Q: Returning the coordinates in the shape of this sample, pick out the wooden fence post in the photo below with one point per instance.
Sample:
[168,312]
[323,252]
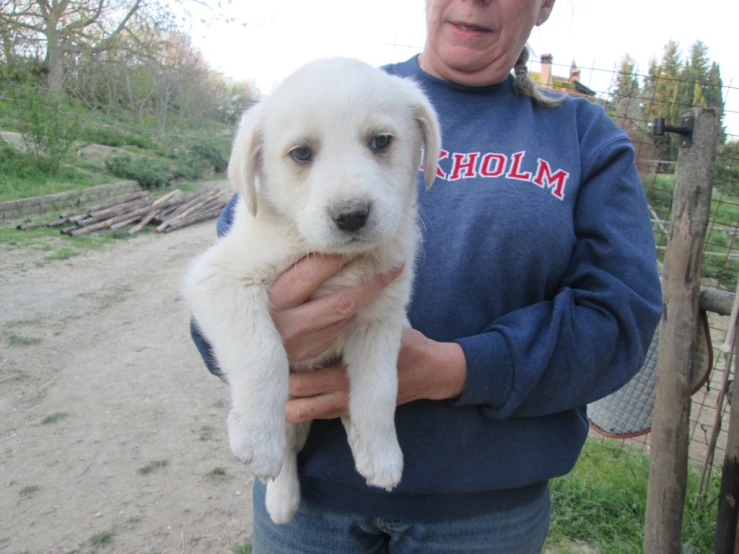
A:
[681,273]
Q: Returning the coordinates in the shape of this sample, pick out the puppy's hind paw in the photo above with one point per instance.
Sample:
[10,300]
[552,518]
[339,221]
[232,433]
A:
[281,502]
[253,443]
[382,468]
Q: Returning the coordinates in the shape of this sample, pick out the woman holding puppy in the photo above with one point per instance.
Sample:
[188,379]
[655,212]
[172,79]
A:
[536,293]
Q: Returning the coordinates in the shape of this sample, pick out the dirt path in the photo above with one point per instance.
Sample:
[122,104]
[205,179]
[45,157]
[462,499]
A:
[110,425]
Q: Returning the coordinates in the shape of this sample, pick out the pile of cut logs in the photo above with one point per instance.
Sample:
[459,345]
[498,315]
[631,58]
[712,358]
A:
[168,213]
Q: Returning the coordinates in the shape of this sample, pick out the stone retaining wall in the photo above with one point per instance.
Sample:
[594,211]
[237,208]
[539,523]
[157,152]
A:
[65,201]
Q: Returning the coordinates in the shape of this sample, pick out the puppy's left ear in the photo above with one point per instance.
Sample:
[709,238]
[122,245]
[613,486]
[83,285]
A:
[246,155]
[427,119]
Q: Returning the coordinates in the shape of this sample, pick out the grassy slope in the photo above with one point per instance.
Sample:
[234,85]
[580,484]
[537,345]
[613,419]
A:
[170,148]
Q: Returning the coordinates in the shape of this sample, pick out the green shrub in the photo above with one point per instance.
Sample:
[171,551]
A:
[101,135]
[149,173]
[49,125]
[191,167]
[17,164]
[116,138]
[212,155]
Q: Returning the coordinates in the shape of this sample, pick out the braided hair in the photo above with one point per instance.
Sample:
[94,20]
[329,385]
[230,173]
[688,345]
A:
[525,86]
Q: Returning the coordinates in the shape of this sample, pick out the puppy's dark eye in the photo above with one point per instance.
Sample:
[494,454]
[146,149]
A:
[380,142]
[301,154]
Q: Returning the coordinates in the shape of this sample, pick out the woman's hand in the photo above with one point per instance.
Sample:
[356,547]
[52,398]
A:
[309,328]
[426,370]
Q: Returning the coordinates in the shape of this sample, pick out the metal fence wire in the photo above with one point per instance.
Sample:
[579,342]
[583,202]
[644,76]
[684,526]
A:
[635,110]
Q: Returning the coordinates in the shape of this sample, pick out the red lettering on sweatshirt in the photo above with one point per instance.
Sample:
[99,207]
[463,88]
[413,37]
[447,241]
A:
[463,166]
[487,160]
[554,180]
[515,171]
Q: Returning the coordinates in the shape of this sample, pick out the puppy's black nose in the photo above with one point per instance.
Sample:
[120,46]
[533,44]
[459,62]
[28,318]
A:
[350,216]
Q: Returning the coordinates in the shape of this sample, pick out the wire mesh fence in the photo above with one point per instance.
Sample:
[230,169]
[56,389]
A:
[635,111]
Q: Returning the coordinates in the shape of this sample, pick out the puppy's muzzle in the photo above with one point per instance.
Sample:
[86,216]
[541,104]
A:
[350,216]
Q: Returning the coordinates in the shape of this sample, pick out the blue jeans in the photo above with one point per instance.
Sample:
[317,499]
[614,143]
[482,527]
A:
[314,530]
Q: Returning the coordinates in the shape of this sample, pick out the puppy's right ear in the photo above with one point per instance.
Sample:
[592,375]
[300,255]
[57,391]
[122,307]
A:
[428,121]
[246,154]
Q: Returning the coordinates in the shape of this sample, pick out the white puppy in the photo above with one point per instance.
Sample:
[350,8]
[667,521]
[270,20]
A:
[327,163]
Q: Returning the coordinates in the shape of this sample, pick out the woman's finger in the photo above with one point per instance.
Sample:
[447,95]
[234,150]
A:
[304,347]
[328,310]
[295,285]
[323,406]
[320,381]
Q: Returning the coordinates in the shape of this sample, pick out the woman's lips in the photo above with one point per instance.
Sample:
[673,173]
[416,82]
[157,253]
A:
[468,30]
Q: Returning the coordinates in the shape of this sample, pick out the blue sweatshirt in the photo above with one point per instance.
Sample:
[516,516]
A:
[538,259]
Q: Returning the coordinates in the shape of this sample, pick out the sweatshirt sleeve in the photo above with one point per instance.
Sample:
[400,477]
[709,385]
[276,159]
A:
[592,336]
[223,224]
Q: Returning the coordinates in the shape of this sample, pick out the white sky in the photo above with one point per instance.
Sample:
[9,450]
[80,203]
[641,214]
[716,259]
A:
[281,35]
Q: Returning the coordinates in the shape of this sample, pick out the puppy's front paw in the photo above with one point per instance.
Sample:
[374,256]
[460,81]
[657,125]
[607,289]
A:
[380,463]
[260,446]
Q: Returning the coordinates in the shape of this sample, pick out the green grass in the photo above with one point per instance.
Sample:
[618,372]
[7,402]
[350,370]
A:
[244,548]
[101,539]
[724,212]
[216,473]
[28,491]
[62,254]
[15,339]
[22,323]
[602,502]
[20,178]
[11,238]
[152,466]
[206,433]
[53,418]
[114,297]
[47,240]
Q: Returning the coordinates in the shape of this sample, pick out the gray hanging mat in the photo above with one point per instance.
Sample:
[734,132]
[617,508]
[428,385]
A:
[627,412]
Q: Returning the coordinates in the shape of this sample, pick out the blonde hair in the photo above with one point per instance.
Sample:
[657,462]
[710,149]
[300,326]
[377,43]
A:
[525,86]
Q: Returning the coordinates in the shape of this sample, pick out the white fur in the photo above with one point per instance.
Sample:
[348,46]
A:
[334,106]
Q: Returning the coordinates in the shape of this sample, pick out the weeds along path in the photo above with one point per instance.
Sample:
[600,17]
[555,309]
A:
[112,434]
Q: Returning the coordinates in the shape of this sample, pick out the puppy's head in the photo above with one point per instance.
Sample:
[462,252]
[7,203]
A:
[336,149]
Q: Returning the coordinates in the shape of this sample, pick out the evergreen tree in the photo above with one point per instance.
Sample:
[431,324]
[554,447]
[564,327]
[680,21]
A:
[625,97]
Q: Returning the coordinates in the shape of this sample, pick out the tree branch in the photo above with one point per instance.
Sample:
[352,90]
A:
[79,24]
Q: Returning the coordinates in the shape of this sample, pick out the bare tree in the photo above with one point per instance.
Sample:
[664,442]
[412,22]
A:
[67,26]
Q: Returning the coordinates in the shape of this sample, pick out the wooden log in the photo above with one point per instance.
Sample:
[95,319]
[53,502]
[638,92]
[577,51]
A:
[37,224]
[111,221]
[681,288]
[194,201]
[118,209]
[140,225]
[164,213]
[213,203]
[194,206]
[195,218]
[108,204]
[176,193]
[125,222]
